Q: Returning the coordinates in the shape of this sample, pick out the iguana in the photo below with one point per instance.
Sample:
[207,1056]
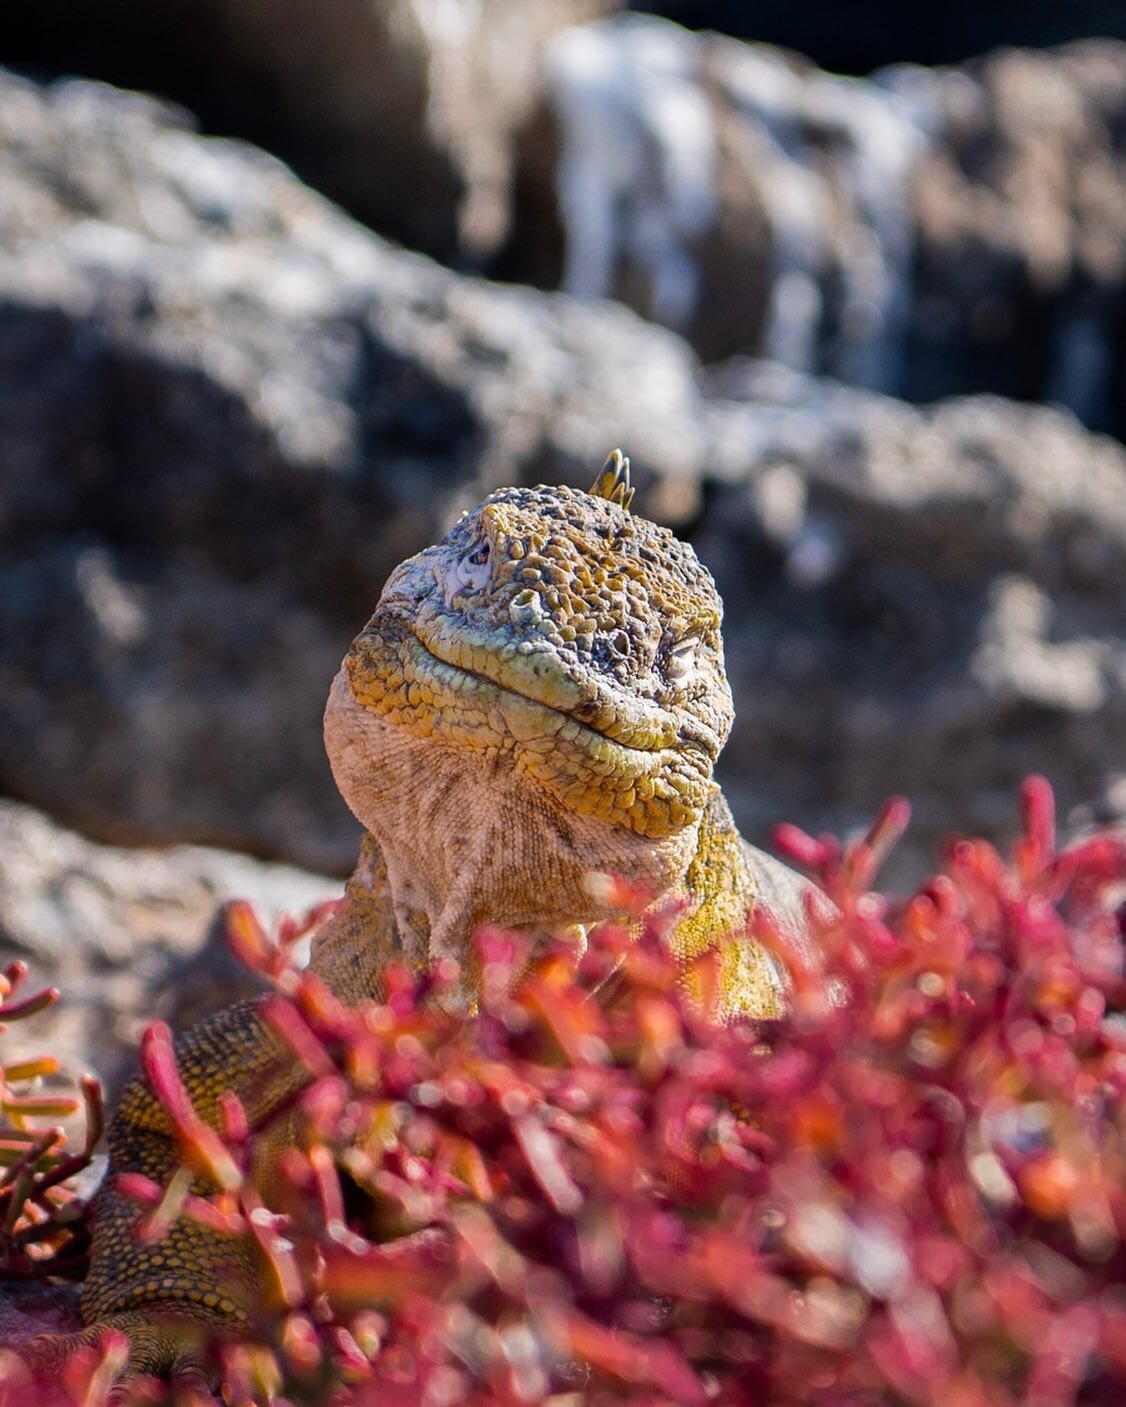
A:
[538,700]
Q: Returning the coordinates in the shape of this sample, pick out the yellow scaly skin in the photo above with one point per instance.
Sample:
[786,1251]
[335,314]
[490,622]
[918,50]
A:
[538,699]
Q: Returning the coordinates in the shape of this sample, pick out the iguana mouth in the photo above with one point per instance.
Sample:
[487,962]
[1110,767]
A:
[461,690]
[532,670]
[536,674]
[482,677]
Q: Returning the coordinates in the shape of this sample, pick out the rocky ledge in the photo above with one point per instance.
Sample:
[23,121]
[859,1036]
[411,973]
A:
[226,411]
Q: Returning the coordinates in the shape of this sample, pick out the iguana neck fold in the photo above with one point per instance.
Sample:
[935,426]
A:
[539,699]
[463,841]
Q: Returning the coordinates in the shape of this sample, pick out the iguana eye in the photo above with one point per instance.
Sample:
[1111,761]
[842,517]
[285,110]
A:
[472,570]
[681,658]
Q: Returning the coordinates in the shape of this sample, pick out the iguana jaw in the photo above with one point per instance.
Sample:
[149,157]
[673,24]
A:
[533,669]
[468,840]
[471,697]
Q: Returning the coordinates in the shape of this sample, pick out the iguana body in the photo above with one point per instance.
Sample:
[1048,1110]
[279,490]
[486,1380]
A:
[538,700]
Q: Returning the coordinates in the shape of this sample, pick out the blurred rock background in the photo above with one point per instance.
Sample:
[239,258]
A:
[863,338]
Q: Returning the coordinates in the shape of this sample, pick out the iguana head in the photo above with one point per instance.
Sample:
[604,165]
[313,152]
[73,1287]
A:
[563,639]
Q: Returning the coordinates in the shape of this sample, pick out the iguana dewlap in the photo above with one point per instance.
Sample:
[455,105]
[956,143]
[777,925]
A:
[539,699]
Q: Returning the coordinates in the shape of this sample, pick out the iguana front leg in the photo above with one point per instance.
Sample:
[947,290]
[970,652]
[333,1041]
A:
[162,1296]
[166,1296]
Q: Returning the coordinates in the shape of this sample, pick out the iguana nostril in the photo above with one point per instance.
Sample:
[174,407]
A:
[620,643]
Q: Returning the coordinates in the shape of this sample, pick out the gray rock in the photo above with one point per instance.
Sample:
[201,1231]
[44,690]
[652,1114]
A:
[403,110]
[226,411]
[936,604]
[922,233]
[126,935]
[867,33]
[1019,207]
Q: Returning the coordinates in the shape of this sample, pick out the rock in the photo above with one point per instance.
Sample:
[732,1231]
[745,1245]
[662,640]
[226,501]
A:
[126,935]
[402,110]
[922,233]
[226,412]
[936,605]
[865,34]
[1019,209]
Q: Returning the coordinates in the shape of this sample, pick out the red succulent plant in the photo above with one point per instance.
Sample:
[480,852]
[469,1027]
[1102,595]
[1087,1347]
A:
[910,1190]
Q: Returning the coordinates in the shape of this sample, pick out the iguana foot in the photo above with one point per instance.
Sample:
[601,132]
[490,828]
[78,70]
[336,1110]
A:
[171,1347]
